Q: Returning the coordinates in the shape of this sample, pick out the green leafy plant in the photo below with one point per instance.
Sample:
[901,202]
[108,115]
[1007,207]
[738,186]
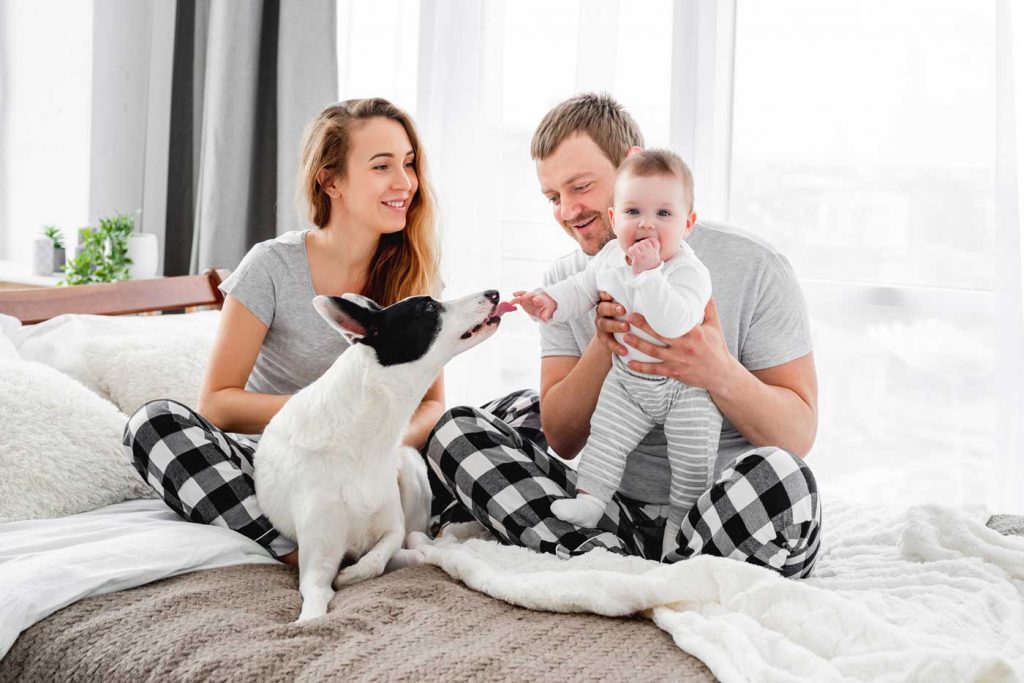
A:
[104,255]
[55,235]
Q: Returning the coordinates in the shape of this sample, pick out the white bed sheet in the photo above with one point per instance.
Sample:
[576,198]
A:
[48,564]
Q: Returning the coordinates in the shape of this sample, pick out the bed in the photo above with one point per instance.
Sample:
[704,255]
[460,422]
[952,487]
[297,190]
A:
[118,588]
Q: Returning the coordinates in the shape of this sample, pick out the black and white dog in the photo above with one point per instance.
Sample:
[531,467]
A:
[330,472]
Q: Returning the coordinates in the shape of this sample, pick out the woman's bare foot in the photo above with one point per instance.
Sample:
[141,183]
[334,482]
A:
[291,559]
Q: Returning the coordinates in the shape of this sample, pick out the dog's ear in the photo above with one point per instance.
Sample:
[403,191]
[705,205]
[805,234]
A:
[362,301]
[354,319]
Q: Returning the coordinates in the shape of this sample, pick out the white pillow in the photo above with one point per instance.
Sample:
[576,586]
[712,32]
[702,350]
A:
[7,349]
[8,325]
[60,446]
[59,342]
[72,343]
[132,370]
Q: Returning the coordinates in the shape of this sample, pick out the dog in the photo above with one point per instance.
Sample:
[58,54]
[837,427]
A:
[329,470]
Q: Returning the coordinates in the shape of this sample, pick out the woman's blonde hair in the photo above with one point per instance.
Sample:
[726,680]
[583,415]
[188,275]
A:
[406,262]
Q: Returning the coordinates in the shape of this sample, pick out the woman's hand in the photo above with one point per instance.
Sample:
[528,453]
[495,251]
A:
[537,304]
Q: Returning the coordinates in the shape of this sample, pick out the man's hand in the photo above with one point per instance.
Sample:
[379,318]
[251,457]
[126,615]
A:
[700,358]
[644,255]
[537,304]
[607,325]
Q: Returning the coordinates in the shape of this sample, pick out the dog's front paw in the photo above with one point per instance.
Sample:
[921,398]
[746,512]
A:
[369,567]
[405,558]
[417,539]
[309,612]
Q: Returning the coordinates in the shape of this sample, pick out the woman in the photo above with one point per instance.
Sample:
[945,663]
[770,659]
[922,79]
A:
[363,180]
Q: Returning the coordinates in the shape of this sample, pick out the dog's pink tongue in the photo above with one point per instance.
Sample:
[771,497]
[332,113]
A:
[504,307]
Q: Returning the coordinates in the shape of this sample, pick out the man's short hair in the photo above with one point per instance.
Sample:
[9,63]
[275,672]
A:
[649,163]
[596,114]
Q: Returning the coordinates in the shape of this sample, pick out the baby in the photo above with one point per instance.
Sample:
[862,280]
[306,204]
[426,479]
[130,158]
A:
[649,269]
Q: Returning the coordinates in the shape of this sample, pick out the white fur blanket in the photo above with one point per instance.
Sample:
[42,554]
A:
[925,594]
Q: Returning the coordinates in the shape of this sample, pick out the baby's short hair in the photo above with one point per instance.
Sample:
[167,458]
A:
[649,163]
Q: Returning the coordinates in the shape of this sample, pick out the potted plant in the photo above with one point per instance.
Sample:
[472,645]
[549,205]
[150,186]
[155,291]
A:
[47,251]
[144,252]
[57,239]
[102,254]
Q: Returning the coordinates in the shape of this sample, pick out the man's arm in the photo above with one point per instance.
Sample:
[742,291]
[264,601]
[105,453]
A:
[771,407]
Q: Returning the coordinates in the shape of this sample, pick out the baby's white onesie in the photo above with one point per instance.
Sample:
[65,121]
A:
[672,298]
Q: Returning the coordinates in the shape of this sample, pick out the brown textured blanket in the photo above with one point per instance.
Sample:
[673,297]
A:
[235,623]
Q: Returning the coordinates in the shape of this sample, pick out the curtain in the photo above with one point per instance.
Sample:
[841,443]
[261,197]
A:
[1010,283]
[458,114]
[246,79]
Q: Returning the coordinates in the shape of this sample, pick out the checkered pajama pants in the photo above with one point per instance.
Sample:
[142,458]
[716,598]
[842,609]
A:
[493,465]
[201,472]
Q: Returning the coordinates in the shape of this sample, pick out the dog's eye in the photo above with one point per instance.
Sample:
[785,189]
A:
[430,308]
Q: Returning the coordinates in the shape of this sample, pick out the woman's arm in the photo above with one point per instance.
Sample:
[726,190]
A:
[426,416]
[223,399]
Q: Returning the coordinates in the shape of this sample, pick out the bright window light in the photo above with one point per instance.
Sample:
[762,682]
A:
[864,149]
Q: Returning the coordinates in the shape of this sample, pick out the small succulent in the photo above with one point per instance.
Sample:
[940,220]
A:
[55,235]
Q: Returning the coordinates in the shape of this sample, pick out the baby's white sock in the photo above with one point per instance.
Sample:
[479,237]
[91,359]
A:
[584,510]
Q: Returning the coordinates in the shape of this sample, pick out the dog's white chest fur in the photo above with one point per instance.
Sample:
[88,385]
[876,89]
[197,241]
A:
[330,472]
[328,459]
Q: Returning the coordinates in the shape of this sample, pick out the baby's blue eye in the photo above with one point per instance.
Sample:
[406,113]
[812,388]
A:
[632,212]
[664,213]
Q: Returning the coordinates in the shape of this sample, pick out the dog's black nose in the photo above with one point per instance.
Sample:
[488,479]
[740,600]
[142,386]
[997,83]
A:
[492,294]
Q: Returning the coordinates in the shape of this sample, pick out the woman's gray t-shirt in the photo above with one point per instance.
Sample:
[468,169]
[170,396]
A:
[273,281]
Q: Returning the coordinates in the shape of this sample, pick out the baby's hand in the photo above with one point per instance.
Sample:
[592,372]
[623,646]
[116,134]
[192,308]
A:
[536,304]
[645,255]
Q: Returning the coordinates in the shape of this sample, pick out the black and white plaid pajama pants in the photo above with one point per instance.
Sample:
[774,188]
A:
[201,472]
[494,465]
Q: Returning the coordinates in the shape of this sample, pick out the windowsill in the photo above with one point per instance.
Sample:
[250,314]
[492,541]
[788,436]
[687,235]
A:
[14,273]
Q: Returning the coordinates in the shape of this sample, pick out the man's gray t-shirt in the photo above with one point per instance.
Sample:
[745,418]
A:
[764,320]
[273,281]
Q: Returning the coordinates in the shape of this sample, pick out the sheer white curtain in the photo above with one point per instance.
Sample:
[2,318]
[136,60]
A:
[488,72]
[1010,301]
[458,111]
[884,166]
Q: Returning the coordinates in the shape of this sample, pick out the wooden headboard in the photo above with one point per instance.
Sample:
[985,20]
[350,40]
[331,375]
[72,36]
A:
[116,298]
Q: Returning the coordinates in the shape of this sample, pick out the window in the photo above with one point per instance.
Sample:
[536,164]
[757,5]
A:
[864,149]
[378,47]
[45,119]
[574,46]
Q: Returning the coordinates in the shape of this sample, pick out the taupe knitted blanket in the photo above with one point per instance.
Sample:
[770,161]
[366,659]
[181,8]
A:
[235,623]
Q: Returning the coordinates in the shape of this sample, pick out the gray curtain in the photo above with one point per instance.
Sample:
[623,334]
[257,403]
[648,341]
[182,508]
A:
[247,78]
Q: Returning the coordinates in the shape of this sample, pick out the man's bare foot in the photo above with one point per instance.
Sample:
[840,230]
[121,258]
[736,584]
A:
[291,559]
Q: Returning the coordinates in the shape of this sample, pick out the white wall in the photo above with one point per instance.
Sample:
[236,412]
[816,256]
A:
[45,77]
[120,74]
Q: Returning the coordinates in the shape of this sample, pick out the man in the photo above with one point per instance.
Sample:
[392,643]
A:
[752,354]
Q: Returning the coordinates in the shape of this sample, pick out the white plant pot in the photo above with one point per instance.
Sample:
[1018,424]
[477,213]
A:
[42,255]
[144,252]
